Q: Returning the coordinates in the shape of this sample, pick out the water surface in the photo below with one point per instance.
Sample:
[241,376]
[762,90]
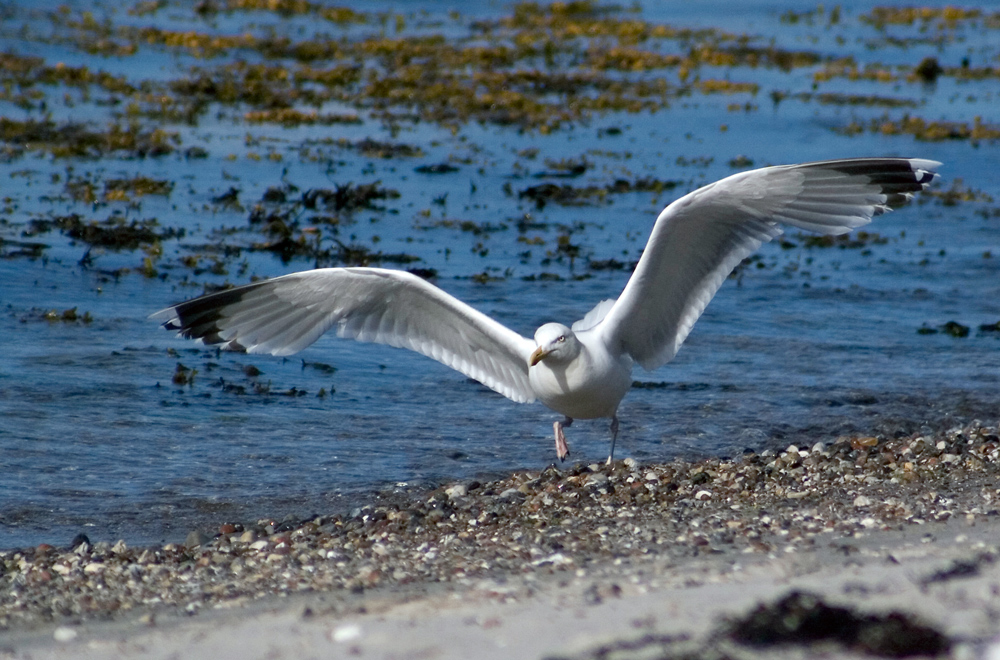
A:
[805,344]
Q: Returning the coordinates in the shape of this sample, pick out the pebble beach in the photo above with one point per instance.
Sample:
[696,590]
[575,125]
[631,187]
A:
[603,534]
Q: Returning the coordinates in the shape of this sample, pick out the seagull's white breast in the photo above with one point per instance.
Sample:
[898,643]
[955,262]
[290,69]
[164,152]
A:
[589,386]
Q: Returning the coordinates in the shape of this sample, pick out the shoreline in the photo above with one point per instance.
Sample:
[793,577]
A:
[866,522]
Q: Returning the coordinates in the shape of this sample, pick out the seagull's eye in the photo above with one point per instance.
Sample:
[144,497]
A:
[561,339]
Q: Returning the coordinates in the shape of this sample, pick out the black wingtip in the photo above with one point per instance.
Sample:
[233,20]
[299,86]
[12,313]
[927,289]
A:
[898,178]
[199,317]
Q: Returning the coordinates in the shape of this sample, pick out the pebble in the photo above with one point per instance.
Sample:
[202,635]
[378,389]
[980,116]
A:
[196,538]
[456,491]
[510,494]
[64,634]
[345,633]
[597,479]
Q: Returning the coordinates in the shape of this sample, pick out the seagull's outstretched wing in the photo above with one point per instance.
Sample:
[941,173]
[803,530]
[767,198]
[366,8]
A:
[284,315]
[700,238]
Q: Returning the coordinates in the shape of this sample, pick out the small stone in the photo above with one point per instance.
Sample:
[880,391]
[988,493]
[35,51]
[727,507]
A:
[557,559]
[196,538]
[258,545]
[80,544]
[345,633]
[93,567]
[597,479]
[510,494]
[227,528]
[64,634]
[861,500]
[456,491]
[861,443]
[703,495]
[248,536]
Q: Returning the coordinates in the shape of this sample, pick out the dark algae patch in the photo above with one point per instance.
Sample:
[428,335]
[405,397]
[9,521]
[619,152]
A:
[568,195]
[115,233]
[805,619]
[73,140]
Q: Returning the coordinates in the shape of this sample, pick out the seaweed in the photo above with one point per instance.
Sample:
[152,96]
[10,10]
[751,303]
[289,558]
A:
[803,618]
[114,233]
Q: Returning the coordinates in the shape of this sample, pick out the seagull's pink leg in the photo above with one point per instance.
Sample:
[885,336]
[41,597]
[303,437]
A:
[562,449]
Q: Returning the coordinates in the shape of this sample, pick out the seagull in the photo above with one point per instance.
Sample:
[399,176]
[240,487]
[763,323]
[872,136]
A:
[581,371]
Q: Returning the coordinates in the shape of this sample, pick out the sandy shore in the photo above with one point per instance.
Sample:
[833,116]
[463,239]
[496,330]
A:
[630,607]
[683,560]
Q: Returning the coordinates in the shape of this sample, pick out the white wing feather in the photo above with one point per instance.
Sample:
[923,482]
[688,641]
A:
[700,238]
[286,314]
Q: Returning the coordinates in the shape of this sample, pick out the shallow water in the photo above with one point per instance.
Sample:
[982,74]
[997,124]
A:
[805,344]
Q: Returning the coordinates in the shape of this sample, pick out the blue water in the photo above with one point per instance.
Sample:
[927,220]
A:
[814,343]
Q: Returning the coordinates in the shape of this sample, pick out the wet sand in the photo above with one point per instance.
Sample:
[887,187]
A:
[895,535]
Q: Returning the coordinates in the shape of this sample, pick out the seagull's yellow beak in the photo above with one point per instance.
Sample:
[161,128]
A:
[537,356]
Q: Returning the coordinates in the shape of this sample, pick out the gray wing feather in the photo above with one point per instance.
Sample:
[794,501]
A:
[285,315]
[698,240]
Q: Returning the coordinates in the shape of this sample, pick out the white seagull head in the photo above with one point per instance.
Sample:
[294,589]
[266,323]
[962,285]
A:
[555,343]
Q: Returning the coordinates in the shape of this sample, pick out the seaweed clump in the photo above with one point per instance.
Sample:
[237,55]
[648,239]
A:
[114,233]
[803,618]
[75,140]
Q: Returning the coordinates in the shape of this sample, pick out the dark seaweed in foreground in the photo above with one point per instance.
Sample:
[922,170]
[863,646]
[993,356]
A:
[804,618]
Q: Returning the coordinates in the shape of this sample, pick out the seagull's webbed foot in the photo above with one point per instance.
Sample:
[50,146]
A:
[614,436]
[562,449]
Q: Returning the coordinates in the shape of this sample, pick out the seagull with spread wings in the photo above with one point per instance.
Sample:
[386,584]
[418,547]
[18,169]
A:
[585,370]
